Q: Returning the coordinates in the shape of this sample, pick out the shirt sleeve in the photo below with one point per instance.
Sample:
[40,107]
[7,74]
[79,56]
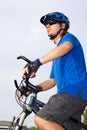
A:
[71,38]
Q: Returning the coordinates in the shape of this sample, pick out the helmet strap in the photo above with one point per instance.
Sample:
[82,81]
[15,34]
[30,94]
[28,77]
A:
[53,37]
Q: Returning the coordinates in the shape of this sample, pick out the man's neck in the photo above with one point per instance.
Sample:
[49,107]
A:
[57,39]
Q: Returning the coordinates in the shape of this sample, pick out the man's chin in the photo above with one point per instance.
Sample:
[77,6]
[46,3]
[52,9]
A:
[50,35]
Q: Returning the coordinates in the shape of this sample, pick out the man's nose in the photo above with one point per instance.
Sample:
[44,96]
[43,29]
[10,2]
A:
[47,25]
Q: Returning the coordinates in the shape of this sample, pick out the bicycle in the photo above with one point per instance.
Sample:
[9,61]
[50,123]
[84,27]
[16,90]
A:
[29,104]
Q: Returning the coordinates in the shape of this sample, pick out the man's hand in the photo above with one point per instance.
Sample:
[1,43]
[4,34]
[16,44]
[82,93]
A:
[20,95]
[31,69]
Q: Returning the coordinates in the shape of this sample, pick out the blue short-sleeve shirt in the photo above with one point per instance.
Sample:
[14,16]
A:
[69,71]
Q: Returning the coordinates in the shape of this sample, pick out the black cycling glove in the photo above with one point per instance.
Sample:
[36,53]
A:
[33,66]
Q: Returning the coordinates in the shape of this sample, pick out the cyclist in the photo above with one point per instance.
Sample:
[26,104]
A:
[68,73]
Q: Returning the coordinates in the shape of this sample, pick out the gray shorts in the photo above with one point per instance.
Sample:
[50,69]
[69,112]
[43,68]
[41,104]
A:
[61,107]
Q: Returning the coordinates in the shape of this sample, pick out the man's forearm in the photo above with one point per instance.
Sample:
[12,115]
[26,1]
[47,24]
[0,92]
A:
[56,52]
[48,84]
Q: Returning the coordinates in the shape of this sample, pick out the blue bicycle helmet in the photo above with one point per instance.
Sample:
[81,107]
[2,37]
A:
[55,15]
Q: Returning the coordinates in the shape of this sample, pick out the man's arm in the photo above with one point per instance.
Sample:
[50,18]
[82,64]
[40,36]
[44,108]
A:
[53,54]
[48,84]
[57,52]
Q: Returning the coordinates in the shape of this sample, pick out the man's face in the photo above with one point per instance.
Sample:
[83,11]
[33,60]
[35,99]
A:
[52,27]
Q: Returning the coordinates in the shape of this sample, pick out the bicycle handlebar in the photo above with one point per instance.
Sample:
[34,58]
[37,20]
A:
[24,58]
[29,66]
[25,85]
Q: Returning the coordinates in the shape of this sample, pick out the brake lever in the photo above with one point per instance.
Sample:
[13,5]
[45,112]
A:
[16,85]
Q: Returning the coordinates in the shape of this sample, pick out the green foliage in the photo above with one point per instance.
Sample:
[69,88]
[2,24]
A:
[84,117]
[33,128]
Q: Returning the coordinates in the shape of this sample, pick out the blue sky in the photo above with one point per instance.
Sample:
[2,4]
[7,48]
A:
[22,34]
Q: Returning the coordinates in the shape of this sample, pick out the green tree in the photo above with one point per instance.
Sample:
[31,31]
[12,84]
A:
[84,117]
[33,128]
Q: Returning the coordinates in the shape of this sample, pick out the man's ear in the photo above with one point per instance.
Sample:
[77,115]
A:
[63,25]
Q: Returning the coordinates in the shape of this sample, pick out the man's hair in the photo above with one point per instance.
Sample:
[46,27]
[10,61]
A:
[65,30]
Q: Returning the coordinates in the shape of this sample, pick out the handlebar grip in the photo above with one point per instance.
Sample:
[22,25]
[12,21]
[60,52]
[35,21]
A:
[34,88]
[24,58]
[16,85]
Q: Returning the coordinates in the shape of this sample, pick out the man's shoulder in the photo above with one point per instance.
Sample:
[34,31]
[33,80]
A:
[69,35]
